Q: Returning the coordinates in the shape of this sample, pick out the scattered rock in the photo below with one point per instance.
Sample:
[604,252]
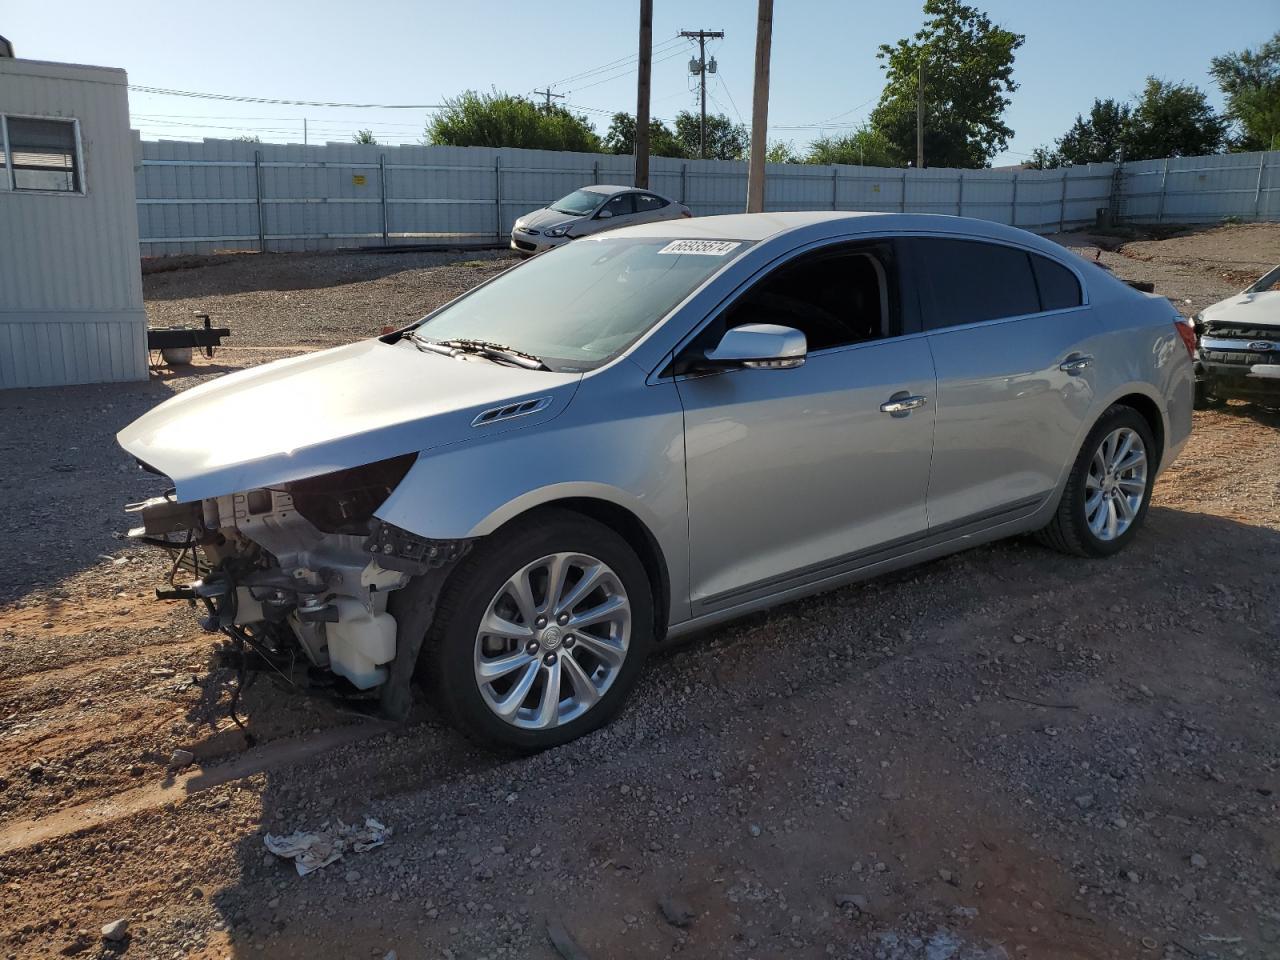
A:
[181,758]
[116,930]
[1198,861]
[754,829]
[676,911]
[855,901]
[1084,801]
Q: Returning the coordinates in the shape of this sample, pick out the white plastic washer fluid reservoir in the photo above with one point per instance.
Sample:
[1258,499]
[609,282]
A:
[360,642]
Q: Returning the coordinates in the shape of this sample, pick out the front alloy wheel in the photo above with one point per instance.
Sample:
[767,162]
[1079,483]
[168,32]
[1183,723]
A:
[552,641]
[541,631]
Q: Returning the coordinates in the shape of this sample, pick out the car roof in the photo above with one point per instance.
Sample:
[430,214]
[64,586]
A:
[607,188]
[762,226]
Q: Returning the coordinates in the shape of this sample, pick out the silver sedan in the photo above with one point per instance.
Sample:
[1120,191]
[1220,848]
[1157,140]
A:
[653,431]
[591,210]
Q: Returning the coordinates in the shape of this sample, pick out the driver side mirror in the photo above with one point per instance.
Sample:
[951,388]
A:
[604,214]
[759,346]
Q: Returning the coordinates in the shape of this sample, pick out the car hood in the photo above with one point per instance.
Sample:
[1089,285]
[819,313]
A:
[328,411]
[546,218]
[1252,309]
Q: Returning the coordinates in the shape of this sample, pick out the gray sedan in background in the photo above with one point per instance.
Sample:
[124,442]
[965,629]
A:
[653,431]
[591,210]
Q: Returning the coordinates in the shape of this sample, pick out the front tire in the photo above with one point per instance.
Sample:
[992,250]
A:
[1107,494]
[541,632]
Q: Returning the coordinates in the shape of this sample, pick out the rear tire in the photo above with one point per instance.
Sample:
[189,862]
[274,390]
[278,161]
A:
[564,676]
[1109,489]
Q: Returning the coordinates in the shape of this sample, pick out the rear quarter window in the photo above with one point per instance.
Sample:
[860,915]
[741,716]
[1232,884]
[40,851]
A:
[1059,288]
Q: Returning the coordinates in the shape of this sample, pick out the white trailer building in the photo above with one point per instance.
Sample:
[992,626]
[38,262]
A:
[70,277]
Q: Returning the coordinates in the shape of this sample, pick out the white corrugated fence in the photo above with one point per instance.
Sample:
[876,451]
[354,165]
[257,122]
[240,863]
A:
[232,195]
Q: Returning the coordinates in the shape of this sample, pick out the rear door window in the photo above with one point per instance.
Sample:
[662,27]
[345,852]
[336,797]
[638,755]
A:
[647,202]
[623,205]
[1059,288]
[970,281]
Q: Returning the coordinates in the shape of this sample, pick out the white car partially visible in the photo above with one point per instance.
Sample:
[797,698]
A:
[1238,346]
[591,210]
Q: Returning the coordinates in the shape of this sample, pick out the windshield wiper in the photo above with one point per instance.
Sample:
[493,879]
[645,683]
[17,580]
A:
[484,348]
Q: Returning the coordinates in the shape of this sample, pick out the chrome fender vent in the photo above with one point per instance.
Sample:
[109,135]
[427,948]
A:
[512,410]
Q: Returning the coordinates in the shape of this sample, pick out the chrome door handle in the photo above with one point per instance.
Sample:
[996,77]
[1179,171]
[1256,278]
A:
[1075,365]
[903,405]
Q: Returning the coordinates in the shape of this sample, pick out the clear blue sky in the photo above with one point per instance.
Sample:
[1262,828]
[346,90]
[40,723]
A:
[825,74]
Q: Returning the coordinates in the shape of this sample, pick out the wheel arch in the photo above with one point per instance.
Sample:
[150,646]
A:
[1151,412]
[632,528]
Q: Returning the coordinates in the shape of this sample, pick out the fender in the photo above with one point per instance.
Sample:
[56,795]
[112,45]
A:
[628,452]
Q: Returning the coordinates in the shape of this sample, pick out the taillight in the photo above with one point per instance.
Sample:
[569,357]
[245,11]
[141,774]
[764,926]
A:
[1188,334]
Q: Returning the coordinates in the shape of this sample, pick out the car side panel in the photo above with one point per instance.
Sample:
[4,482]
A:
[1143,354]
[1007,415]
[620,441]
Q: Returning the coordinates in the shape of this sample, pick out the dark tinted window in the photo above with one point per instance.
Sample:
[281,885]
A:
[833,298]
[1059,288]
[622,205]
[973,281]
[646,202]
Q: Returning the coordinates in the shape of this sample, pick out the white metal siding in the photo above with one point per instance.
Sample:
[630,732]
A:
[70,283]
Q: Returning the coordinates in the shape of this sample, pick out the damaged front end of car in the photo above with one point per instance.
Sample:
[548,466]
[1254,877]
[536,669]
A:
[305,567]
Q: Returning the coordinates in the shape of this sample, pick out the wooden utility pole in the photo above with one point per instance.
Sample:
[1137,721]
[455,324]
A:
[642,95]
[549,95]
[760,109]
[920,115]
[702,36]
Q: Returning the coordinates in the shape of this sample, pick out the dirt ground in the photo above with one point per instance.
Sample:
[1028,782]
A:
[1005,753]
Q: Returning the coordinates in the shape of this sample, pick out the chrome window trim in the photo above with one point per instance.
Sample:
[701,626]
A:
[784,258]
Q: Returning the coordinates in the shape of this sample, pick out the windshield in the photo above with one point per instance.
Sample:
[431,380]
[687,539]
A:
[1269,281]
[579,203]
[583,304]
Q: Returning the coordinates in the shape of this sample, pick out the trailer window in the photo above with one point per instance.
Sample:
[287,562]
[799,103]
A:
[40,154]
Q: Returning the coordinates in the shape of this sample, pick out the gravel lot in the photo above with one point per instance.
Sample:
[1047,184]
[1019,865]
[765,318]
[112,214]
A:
[1006,753]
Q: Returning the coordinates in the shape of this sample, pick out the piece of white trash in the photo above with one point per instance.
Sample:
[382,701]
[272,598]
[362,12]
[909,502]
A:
[311,851]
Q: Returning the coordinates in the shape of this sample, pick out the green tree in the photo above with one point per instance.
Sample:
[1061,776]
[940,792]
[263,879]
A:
[865,146]
[621,137]
[1173,120]
[1043,158]
[1099,137]
[502,120]
[782,151]
[1250,81]
[968,72]
[365,137]
[726,140]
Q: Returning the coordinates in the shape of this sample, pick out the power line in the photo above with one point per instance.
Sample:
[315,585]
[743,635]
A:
[164,91]
[209,116]
[612,64]
[627,72]
[728,93]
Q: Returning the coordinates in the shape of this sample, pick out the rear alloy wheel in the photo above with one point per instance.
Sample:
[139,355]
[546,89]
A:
[1109,489]
[541,632]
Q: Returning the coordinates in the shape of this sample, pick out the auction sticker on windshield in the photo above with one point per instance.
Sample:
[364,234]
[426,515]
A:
[706,248]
